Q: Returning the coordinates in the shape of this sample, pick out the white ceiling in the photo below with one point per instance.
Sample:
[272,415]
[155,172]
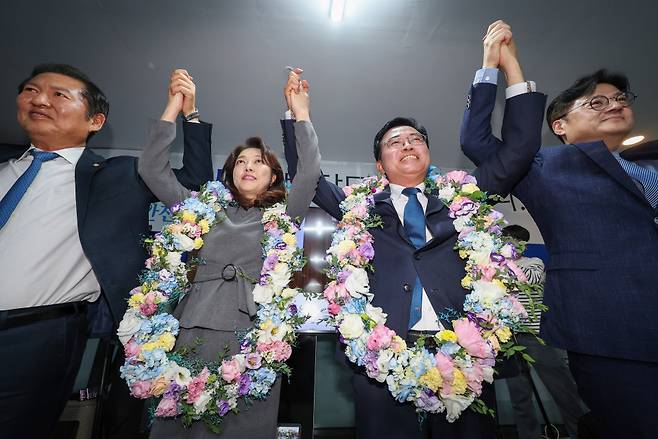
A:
[387,58]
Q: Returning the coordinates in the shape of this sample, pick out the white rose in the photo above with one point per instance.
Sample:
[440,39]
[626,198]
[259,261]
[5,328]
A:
[201,404]
[446,193]
[357,283]
[383,361]
[180,375]
[263,293]
[460,223]
[287,293]
[129,326]
[185,242]
[241,361]
[488,292]
[351,326]
[173,259]
[506,251]
[480,258]
[455,405]
[376,314]
[280,276]
[488,374]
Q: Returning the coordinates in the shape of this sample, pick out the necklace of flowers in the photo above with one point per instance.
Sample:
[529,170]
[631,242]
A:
[449,378]
[188,387]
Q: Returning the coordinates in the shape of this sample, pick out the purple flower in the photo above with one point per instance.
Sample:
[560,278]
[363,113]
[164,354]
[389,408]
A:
[342,276]
[223,407]
[292,308]
[428,402]
[243,384]
[496,257]
[270,262]
[367,251]
[173,391]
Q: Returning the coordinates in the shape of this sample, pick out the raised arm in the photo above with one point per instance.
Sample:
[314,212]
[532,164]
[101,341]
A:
[502,163]
[154,167]
[295,136]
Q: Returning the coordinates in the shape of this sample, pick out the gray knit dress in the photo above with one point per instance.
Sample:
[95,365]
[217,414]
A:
[215,308]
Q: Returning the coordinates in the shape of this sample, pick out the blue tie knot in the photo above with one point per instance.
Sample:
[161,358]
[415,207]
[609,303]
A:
[410,191]
[43,156]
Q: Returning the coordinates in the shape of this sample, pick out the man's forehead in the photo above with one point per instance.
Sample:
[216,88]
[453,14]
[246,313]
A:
[57,80]
[398,131]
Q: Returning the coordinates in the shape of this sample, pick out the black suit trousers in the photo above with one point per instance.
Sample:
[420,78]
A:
[40,362]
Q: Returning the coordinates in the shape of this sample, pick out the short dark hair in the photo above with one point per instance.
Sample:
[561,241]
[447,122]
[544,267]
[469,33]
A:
[275,193]
[517,232]
[393,123]
[96,100]
[583,86]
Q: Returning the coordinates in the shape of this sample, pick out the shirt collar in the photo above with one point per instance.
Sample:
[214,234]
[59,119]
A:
[71,155]
[396,189]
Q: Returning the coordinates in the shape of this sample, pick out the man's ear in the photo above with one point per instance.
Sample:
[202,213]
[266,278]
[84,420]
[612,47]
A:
[96,122]
[558,127]
[380,167]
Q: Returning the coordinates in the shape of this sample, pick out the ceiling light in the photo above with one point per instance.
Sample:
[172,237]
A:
[337,10]
[632,140]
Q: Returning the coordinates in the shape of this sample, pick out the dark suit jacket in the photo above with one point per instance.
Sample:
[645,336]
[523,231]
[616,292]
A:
[397,261]
[112,207]
[601,235]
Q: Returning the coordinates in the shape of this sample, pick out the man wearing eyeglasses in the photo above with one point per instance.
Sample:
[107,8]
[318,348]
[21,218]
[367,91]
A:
[596,209]
[417,273]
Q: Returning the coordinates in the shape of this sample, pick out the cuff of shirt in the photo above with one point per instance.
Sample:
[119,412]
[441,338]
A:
[520,88]
[288,115]
[487,76]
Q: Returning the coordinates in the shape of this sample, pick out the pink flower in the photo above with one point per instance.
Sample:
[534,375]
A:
[230,370]
[456,176]
[253,360]
[168,407]
[280,350]
[462,206]
[333,308]
[488,272]
[520,275]
[380,338]
[335,291]
[446,368]
[197,385]
[517,307]
[149,307]
[470,338]
[347,190]
[141,389]
[474,376]
[132,348]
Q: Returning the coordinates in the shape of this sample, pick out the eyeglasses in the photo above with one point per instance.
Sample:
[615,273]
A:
[399,142]
[600,102]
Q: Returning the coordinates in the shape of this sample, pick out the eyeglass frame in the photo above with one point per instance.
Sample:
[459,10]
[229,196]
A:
[423,138]
[628,94]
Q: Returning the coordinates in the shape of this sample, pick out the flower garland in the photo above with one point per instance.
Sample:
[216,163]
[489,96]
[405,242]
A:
[189,387]
[449,379]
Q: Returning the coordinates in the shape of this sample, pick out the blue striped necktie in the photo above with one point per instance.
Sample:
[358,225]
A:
[13,197]
[647,177]
[414,225]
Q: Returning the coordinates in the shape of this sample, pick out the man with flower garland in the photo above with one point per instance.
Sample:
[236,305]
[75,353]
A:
[71,225]
[596,207]
[416,279]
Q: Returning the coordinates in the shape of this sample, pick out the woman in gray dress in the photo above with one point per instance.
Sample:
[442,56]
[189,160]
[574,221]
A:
[219,302]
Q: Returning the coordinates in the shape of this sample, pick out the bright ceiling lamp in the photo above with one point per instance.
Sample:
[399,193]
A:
[337,10]
[632,140]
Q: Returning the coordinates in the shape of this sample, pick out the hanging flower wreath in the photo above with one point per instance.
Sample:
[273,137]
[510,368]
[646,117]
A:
[450,378]
[187,386]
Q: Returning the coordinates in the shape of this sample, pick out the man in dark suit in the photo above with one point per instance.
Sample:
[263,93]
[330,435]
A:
[401,150]
[596,209]
[71,225]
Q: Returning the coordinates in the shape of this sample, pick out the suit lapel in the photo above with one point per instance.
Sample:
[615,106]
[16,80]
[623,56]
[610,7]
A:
[87,166]
[434,206]
[598,153]
[384,207]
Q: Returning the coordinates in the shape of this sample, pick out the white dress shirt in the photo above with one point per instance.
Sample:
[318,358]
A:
[428,320]
[41,257]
